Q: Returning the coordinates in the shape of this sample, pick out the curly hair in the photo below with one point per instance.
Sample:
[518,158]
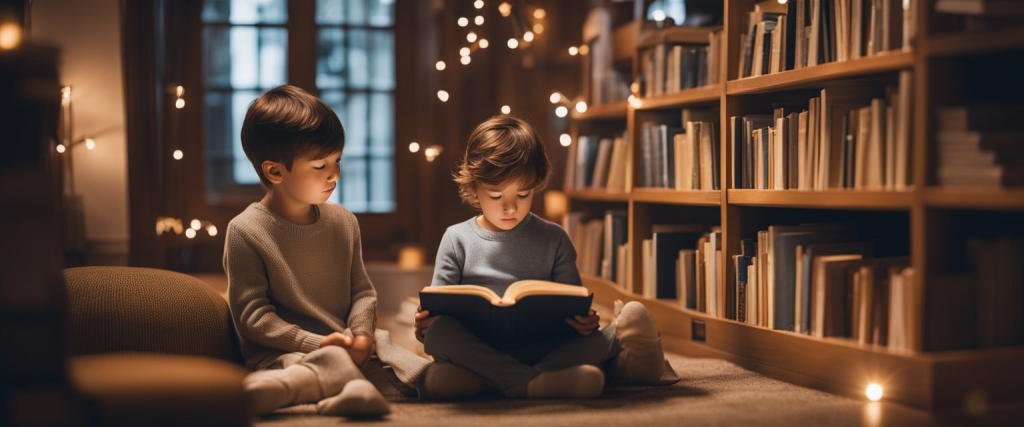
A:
[500,150]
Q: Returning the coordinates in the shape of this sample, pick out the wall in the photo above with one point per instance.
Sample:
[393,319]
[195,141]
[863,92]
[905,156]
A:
[88,34]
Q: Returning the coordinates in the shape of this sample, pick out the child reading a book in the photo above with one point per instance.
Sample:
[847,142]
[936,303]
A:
[503,168]
[302,304]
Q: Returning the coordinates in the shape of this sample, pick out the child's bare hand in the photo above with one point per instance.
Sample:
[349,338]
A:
[338,339]
[361,349]
[585,325]
[423,320]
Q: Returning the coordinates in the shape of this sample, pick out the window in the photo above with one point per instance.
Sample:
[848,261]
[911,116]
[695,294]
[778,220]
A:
[246,52]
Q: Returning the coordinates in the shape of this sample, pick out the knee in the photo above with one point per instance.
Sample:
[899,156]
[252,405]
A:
[439,335]
[331,355]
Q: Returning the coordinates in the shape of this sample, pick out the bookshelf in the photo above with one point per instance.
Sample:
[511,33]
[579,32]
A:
[932,225]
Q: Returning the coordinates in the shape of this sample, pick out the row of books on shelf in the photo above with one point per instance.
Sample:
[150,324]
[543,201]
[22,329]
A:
[598,163]
[980,145]
[670,67]
[682,158]
[803,33]
[601,244]
[854,137]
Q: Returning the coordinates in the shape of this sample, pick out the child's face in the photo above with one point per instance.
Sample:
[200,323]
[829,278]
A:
[504,206]
[311,180]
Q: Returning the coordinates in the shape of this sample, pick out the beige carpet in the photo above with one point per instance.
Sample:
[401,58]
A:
[712,393]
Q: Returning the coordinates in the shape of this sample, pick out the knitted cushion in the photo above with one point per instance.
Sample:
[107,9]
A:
[128,309]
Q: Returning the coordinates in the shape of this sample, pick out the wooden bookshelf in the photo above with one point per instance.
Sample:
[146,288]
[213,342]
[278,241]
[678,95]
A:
[925,222]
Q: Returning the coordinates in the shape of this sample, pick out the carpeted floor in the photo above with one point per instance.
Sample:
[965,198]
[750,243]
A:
[712,393]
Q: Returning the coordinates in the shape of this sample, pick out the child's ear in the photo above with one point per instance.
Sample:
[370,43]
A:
[272,170]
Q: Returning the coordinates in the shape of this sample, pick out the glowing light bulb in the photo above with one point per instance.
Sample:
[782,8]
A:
[195,224]
[658,15]
[561,111]
[178,155]
[484,43]
[581,107]
[471,37]
[573,50]
[479,4]
[190,233]
[479,20]
[179,91]
[10,35]
[440,65]
[465,60]
[538,28]
[179,103]
[414,147]
[211,230]
[61,148]
[505,9]
[505,109]
[634,102]
[584,49]
[463,21]
[90,143]
[513,43]
[539,13]
[565,140]
[874,392]
[555,97]
[528,36]
[464,51]
[442,95]
[782,1]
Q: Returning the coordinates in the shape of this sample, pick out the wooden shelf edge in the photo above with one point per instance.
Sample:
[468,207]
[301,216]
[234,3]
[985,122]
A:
[613,111]
[703,94]
[828,199]
[973,43]
[597,195]
[888,61]
[677,197]
[975,198]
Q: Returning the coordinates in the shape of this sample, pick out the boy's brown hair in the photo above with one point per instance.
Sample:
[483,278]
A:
[499,150]
[287,122]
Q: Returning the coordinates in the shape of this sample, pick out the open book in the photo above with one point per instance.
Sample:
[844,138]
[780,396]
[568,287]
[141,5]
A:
[530,310]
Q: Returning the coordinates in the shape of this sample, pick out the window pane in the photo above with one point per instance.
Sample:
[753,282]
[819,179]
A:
[330,62]
[273,57]
[382,44]
[354,117]
[216,61]
[218,123]
[243,170]
[358,61]
[382,185]
[330,11]
[245,11]
[245,57]
[353,185]
[355,12]
[382,13]
[382,122]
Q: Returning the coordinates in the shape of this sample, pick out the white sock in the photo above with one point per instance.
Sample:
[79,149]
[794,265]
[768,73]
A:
[642,358]
[577,382]
[273,389]
[359,398]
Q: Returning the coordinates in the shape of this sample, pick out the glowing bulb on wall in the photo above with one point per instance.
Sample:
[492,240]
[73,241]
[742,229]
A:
[10,35]
[479,4]
[440,65]
[505,9]
[513,43]
[581,107]
[483,43]
[479,20]
[195,224]
[463,22]
[561,111]
[211,230]
[471,37]
[539,13]
[658,15]
[573,50]
[634,101]
[465,60]
[442,95]
[61,148]
[505,109]
[414,147]
[874,392]
[90,143]
[565,140]
[177,154]
[538,28]
[432,152]
[190,233]
[179,103]
[464,51]
[528,36]
[555,97]
[782,1]
[180,93]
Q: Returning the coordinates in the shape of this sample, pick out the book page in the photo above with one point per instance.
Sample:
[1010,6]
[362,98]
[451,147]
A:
[475,290]
[525,288]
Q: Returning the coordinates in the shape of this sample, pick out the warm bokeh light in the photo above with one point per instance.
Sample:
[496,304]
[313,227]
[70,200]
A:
[90,143]
[513,43]
[561,111]
[539,13]
[479,20]
[658,15]
[463,21]
[555,206]
[61,148]
[565,140]
[634,101]
[190,233]
[65,95]
[573,50]
[432,152]
[581,107]
[414,147]
[465,60]
[505,9]
[874,392]
[211,230]
[10,35]
[440,65]
[505,109]
[782,1]
[471,37]
[584,49]
[464,51]
[483,43]
[555,97]
[442,95]
[196,224]
[179,91]
[178,154]
[410,258]
[528,36]
[179,103]
[479,4]
[538,28]
[634,87]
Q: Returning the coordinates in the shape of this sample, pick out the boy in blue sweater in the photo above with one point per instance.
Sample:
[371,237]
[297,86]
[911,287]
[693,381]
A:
[505,165]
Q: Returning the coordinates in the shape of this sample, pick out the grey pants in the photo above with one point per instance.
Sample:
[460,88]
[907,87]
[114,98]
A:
[509,370]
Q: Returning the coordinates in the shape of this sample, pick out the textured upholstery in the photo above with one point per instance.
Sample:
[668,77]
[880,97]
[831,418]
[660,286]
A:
[129,309]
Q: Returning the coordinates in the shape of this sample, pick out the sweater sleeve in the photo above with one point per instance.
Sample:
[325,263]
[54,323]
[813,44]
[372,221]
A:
[255,318]
[362,315]
[564,269]
[447,265]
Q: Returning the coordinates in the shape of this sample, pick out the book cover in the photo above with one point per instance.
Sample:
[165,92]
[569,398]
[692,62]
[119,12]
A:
[529,311]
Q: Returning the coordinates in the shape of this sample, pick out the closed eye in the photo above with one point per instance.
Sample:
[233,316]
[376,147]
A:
[523,196]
